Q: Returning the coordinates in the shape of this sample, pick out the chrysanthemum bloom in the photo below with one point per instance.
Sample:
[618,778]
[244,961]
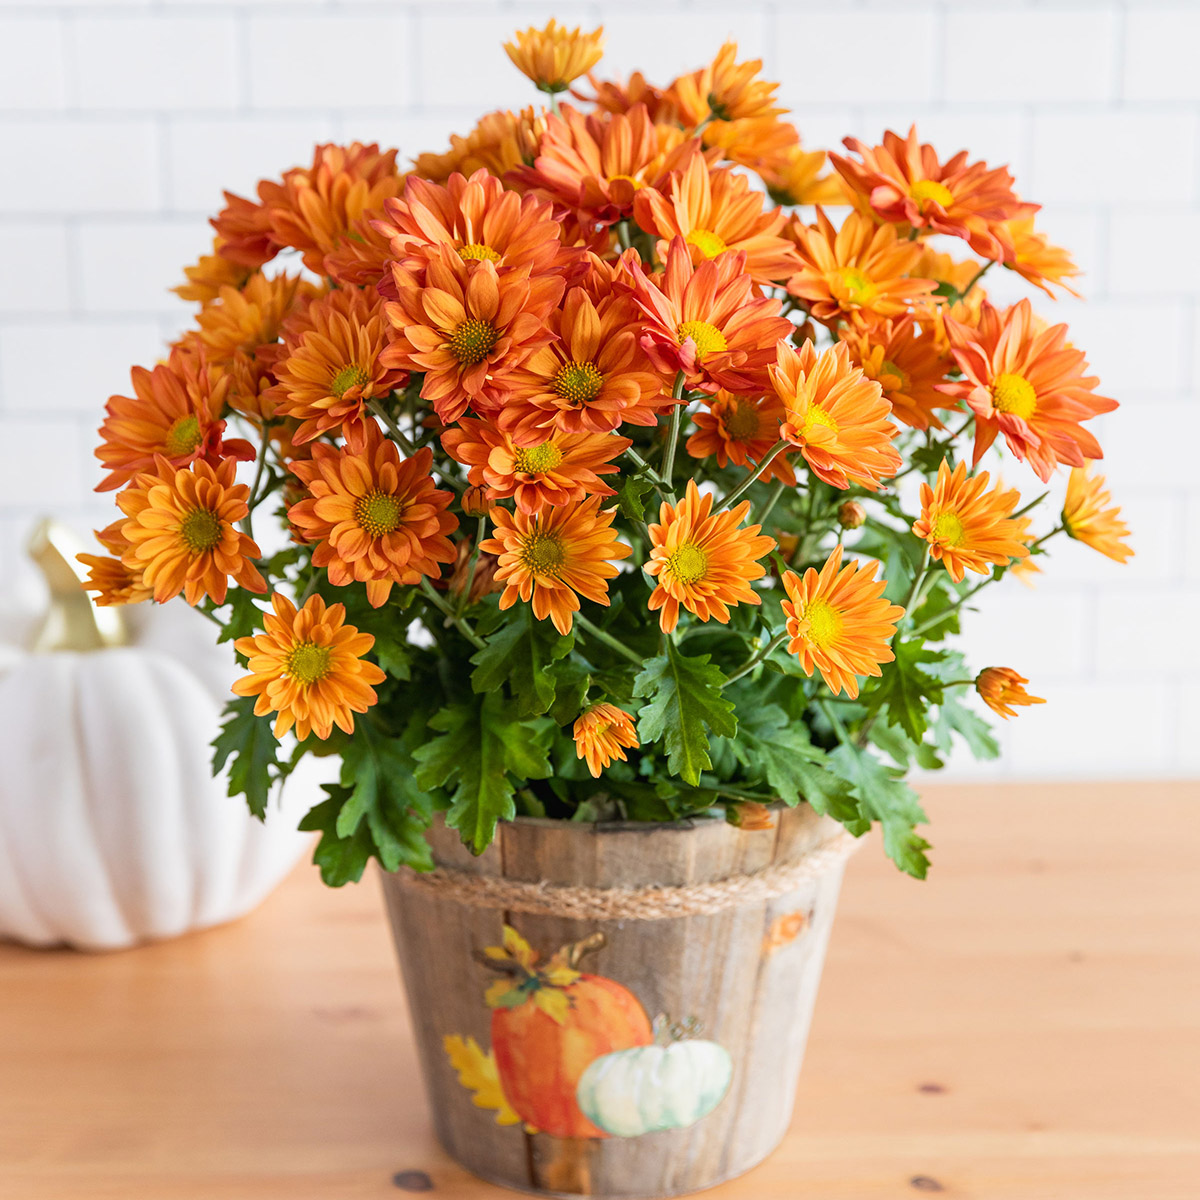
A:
[725,90]
[1089,516]
[859,273]
[332,368]
[113,582]
[613,96]
[174,412]
[1036,259]
[213,272]
[591,378]
[546,559]
[902,182]
[798,180]
[595,164]
[715,212]
[1027,384]
[467,328]
[702,560]
[500,142]
[244,231]
[1001,688]
[602,734]
[362,256]
[707,322]
[182,531]
[379,519]
[307,666]
[906,363]
[838,621]
[554,57]
[477,218]
[968,527]
[741,430]
[563,468]
[764,144]
[835,415]
[945,269]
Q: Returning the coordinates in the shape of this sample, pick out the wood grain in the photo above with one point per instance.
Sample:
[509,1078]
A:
[1024,1026]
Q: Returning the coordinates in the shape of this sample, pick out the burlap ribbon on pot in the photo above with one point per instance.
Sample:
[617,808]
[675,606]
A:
[653,903]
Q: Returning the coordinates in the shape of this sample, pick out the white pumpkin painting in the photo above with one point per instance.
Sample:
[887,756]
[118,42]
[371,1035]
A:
[112,829]
[649,1089]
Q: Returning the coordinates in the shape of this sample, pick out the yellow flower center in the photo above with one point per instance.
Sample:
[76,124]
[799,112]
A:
[948,529]
[183,436]
[689,564]
[351,375]
[891,377]
[627,178]
[741,421]
[479,252]
[824,623]
[578,382]
[473,340]
[534,460]
[708,338]
[307,663]
[200,530]
[1014,394]
[708,243]
[816,415]
[859,288]
[378,513]
[930,189]
[543,553]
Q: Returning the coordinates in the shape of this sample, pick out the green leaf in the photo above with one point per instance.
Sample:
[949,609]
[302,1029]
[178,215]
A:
[248,740]
[341,859]
[940,610]
[905,691]
[631,497]
[243,617]
[480,744]
[572,680]
[772,747]
[885,797]
[686,702]
[521,652]
[955,717]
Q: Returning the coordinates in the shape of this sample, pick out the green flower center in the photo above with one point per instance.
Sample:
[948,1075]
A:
[183,437]
[307,663]
[351,375]
[741,420]
[378,513]
[200,530]
[578,382]
[535,460]
[948,529]
[473,340]
[689,564]
[858,287]
[543,553]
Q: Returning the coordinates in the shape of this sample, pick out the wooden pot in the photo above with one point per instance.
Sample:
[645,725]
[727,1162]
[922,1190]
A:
[634,1057]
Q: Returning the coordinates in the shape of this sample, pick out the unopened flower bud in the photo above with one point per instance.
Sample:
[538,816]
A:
[851,515]
[750,814]
[477,501]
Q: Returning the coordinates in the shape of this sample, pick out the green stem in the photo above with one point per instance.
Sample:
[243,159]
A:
[1056,530]
[247,523]
[644,468]
[773,499]
[1031,505]
[623,234]
[776,450]
[987,266]
[451,616]
[920,629]
[464,596]
[668,461]
[918,584]
[608,639]
[760,656]
[393,428]
[309,588]
[834,720]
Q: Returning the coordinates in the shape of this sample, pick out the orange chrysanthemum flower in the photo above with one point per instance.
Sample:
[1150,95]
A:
[602,734]
[741,430]
[725,90]
[332,367]
[1027,384]
[906,363]
[703,560]
[500,142]
[968,527]
[467,328]
[942,268]
[902,182]
[182,531]
[614,97]
[362,256]
[838,621]
[213,272]
[562,469]
[175,413]
[114,581]
[244,231]
[590,379]
[476,218]
[715,212]
[1036,259]
[798,180]
[1089,516]
[554,57]
[835,415]
[546,559]
[307,666]
[859,273]
[1001,688]
[764,144]
[596,164]
[379,519]
[707,322]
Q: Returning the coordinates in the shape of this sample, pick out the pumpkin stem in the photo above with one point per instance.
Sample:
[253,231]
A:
[572,953]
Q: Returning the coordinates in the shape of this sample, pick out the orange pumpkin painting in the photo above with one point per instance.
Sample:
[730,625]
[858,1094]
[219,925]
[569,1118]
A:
[550,1022]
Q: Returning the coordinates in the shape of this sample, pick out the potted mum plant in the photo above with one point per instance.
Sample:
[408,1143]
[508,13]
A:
[637,473]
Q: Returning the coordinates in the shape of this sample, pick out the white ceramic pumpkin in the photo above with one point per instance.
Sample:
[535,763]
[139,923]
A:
[112,829]
[652,1088]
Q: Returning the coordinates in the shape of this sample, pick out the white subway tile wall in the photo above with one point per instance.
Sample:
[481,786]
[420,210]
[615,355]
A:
[122,120]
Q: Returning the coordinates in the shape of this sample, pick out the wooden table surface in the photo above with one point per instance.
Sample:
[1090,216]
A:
[1026,1024]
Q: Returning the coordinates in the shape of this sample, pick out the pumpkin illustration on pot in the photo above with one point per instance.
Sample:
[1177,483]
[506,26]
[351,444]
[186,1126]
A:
[669,1085]
[550,1022]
